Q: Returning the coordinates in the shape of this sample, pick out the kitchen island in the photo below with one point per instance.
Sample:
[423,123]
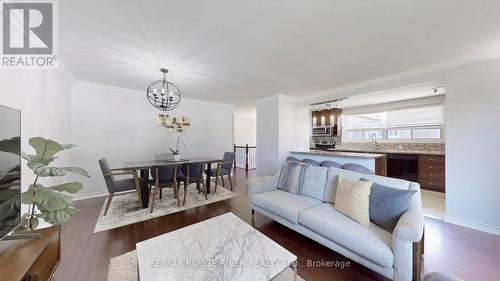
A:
[424,166]
[373,161]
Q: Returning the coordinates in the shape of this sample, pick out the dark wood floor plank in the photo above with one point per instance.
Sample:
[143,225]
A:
[466,253]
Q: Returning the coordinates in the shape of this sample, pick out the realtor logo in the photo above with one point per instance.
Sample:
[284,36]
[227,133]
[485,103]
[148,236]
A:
[28,39]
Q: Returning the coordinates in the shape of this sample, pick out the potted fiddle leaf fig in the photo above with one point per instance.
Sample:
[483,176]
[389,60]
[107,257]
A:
[48,202]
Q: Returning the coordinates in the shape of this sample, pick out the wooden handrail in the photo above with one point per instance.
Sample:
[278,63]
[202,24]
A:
[244,146]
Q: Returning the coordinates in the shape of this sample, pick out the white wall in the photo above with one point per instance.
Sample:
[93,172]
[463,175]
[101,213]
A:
[43,96]
[245,126]
[267,137]
[120,125]
[301,128]
[274,133]
[473,145]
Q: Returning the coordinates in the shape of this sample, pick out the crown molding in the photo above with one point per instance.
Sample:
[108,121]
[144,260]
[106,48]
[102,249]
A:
[401,75]
[93,85]
[65,72]
[274,97]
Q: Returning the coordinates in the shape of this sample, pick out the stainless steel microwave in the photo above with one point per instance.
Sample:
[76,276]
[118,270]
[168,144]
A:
[322,131]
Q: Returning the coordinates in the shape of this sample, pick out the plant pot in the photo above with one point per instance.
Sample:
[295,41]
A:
[177,157]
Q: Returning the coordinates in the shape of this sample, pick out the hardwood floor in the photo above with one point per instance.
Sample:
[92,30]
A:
[468,254]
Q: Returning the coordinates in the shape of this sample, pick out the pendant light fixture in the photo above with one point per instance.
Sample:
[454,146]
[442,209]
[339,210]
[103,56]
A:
[162,94]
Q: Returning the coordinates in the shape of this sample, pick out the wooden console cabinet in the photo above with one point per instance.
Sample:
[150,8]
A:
[31,260]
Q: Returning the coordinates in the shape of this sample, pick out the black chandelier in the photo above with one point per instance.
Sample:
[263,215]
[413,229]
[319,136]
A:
[163,94]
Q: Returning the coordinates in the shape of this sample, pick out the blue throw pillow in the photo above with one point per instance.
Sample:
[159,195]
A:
[388,204]
[291,176]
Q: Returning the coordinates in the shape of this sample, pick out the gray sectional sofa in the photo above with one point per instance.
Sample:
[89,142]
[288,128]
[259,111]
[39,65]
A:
[311,212]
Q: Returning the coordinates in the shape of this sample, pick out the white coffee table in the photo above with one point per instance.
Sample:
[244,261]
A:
[220,248]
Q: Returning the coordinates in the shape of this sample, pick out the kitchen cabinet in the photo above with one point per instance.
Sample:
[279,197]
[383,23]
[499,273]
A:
[427,170]
[403,166]
[431,172]
[330,124]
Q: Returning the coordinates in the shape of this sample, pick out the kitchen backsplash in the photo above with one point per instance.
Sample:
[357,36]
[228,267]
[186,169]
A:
[440,147]
[328,139]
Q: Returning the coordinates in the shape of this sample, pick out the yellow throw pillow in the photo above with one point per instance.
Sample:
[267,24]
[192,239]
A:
[352,199]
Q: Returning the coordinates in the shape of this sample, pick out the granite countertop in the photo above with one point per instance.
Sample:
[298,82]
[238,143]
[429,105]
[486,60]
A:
[399,151]
[340,154]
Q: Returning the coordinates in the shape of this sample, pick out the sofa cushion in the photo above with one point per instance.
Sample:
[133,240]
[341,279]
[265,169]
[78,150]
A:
[388,204]
[291,176]
[352,199]
[389,182]
[372,243]
[313,182]
[331,182]
[284,204]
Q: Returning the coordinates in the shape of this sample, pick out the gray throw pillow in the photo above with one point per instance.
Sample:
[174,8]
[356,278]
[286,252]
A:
[291,176]
[388,204]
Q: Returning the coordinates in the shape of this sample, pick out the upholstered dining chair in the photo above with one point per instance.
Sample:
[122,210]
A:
[329,164]
[119,186]
[311,162]
[192,173]
[164,176]
[357,168]
[224,168]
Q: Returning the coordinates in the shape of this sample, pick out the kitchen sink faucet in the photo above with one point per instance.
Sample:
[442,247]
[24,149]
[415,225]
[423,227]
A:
[374,141]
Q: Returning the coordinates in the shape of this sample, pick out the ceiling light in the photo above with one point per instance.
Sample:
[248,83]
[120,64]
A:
[163,86]
[440,90]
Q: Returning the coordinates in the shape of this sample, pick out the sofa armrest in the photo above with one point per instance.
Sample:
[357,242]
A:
[262,184]
[410,227]
[409,230]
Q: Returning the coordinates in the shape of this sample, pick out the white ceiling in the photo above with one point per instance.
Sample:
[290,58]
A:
[411,92]
[235,51]
[392,95]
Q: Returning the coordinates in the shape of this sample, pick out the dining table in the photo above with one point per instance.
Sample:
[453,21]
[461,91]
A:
[145,166]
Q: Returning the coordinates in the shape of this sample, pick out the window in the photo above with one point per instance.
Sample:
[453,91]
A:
[399,134]
[416,123]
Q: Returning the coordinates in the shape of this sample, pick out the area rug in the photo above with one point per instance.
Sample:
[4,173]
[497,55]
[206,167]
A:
[124,268]
[124,209]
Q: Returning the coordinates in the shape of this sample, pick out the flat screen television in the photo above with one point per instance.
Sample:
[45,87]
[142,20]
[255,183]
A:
[10,169]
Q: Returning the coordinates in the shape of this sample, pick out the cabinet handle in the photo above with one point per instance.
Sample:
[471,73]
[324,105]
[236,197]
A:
[432,176]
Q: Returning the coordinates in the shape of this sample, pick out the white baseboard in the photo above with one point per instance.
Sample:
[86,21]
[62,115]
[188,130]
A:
[90,195]
[473,224]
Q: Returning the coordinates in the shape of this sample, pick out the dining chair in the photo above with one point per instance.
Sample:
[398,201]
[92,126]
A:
[329,164]
[224,168]
[119,186]
[357,168]
[292,159]
[192,173]
[164,176]
[310,162]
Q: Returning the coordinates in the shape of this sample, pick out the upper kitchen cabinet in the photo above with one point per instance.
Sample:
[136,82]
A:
[316,118]
[325,122]
[326,117]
